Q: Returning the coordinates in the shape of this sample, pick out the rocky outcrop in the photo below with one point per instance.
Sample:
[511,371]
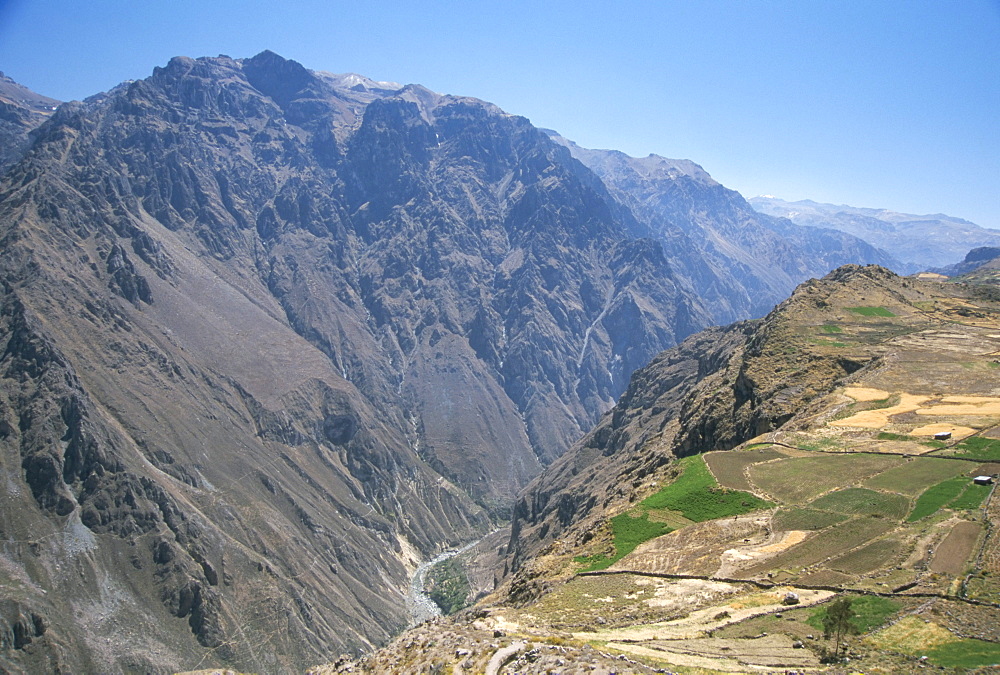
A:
[987,257]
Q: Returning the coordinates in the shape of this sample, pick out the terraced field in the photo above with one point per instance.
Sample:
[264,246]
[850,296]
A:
[842,519]
[855,501]
[869,558]
[729,468]
[799,480]
[823,546]
[851,498]
[916,475]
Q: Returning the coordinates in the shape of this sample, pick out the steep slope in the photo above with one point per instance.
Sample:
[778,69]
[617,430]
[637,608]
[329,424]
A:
[741,262]
[920,241]
[726,386]
[21,110]
[838,453]
[271,336]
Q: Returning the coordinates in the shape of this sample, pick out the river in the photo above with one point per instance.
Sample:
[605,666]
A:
[420,605]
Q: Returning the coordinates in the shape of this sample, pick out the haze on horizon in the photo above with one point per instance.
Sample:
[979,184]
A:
[888,105]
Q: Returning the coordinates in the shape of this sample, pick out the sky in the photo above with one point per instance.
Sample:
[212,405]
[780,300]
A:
[877,103]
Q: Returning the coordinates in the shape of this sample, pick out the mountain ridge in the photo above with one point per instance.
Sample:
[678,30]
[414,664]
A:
[347,321]
[921,241]
[269,341]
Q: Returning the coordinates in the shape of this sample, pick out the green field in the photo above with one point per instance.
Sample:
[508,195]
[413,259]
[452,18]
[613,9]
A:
[628,533]
[977,447]
[936,497]
[698,497]
[889,436]
[966,653]
[916,475]
[695,495]
[863,502]
[971,498]
[798,480]
[831,329]
[870,612]
[795,518]
[872,311]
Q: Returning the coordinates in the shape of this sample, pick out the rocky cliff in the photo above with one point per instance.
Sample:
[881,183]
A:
[21,110]
[269,337]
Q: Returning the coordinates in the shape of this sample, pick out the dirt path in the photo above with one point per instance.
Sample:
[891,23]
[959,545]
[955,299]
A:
[729,655]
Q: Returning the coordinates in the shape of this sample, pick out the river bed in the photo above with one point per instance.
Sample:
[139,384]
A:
[419,604]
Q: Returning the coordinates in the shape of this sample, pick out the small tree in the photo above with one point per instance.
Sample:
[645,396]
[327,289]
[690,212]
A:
[838,621]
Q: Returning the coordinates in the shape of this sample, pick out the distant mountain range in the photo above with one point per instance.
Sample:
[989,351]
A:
[921,242]
[741,263]
[271,336]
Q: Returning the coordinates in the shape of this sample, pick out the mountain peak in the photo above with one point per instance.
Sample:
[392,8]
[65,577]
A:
[277,77]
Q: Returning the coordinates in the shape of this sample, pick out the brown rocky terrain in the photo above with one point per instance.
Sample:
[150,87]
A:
[271,337]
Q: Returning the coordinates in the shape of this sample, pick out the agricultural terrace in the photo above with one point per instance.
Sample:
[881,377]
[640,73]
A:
[905,417]
[799,480]
[730,468]
[694,496]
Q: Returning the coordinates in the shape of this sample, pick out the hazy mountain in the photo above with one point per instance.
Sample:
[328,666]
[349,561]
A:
[984,257]
[269,336]
[922,242]
[21,110]
[741,262]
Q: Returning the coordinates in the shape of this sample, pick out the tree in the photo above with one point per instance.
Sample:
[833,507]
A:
[838,621]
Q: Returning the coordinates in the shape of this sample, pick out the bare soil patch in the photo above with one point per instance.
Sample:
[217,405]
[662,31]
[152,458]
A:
[866,393]
[735,558]
[956,431]
[876,419]
[696,549]
[698,623]
[954,552]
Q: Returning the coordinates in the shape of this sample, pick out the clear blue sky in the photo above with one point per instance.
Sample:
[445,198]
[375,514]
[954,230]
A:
[892,104]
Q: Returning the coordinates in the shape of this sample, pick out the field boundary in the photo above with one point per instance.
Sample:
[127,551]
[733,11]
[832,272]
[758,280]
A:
[768,585]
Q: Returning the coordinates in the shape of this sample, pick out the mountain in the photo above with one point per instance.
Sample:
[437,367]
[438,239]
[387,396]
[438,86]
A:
[838,452]
[741,262]
[922,242]
[270,337]
[21,110]
[984,257]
